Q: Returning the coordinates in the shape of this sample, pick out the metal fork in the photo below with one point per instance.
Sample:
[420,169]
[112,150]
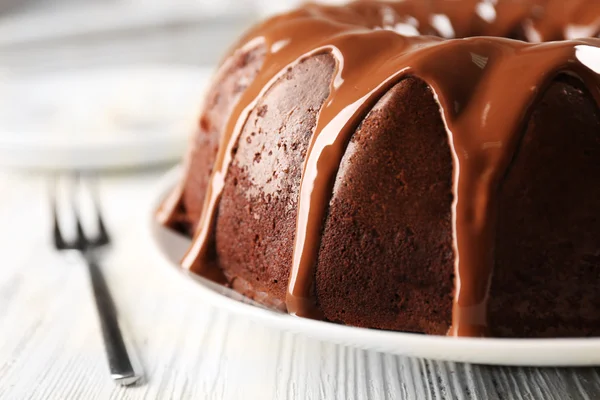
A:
[124,369]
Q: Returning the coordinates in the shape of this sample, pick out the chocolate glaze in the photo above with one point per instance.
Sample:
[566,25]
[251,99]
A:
[485,88]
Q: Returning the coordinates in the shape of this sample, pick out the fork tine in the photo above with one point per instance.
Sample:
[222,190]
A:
[103,237]
[57,236]
[81,242]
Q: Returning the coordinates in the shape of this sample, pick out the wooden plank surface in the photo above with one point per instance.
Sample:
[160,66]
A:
[50,346]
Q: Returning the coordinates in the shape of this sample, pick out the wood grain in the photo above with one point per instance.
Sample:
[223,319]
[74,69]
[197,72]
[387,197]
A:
[50,347]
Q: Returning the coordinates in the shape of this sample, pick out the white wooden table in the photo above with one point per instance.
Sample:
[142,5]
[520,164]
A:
[50,347]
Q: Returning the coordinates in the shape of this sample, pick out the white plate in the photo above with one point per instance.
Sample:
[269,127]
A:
[168,248]
[103,118]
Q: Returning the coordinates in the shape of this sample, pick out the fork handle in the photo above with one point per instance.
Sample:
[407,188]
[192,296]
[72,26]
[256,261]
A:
[124,369]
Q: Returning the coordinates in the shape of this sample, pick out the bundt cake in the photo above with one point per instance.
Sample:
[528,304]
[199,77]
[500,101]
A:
[426,166]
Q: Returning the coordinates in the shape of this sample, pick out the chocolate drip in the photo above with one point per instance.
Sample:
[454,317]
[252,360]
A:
[485,88]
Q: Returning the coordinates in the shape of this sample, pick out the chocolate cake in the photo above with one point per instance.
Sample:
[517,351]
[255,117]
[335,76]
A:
[420,166]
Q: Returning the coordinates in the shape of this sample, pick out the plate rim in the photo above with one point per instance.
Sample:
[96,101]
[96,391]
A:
[547,352]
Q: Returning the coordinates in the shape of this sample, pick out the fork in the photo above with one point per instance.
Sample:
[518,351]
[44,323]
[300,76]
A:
[123,367]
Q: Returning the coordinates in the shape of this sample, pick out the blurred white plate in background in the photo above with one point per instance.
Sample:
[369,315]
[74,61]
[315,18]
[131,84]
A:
[94,119]
[60,19]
